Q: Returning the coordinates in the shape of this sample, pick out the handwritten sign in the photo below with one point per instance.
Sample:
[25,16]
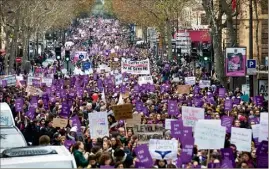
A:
[99,124]
[145,132]
[183,89]
[118,79]
[208,136]
[123,112]
[190,80]
[190,115]
[263,127]
[241,138]
[145,80]
[204,83]
[168,123]
[163,149]
[33,91]
[60,122]
[134,121]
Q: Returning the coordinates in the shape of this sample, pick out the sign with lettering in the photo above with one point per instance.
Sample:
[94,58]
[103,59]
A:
[241,137]
[99,125]
[134,121]
[204,83]
[143,155]
[145,80]
[190,115]
[60,122]
[135,67]
[208,136]
[123,112]
[263,88]
[190,80]
[145,132]
[118,79]
[10,80]
[163,149]
[183,89]
[263,127]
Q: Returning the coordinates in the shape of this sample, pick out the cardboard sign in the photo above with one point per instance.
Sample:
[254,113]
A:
[33,91]
[59,122]
[134,121]
[123,112]
[183,89]
[163,149]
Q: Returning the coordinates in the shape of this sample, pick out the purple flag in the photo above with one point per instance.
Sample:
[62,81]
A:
[227,122]
[31,113]
[173,108]
[227,158]
[33,101]
[176,128]
[19,104]
[143,155]
[4,83]
[69,143]
[228,105]
[76,122]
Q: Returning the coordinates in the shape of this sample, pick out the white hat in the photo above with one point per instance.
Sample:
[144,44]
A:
[74,129]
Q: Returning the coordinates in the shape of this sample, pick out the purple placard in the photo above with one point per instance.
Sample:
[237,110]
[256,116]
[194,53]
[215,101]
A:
[222,92]
[143,155]
[236,101]
[33,101]
[228,105]
[179,163]
[76,122]
[19,104]
[227,122]
[31,113]
[186,132]
[187,149]
[173,108]
[4,83]
[258,100]
[227,158]
[176,128]
[139,106]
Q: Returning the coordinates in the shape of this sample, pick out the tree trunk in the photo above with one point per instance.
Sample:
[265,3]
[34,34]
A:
[257,30]
[218,55]
[169,42]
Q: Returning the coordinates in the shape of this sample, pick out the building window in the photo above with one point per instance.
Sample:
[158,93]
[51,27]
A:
[264,6]
[203,19]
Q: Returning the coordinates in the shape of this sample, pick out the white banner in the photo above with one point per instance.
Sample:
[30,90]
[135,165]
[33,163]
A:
[10,79]
[118,79]
[208,136]
[145,80]
[47,81]
[163,149]
[204,83]
[99,125]
[30,80]
[241,138]
[190,80]
[135,67]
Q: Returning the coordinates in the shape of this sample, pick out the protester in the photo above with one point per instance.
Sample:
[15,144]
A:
[159,104]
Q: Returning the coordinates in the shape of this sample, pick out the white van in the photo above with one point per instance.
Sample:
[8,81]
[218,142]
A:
[37,157]
[6,116]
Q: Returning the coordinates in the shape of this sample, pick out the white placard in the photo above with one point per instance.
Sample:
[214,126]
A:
[208,136]
[135,67]
[168,123]
[118,79]
[204,83]
[241,138]
[255,130]
[163,149]
[30,80]
[190,115]
[99,125]
[145,80]
[11,80]
[190,80]
[263,128]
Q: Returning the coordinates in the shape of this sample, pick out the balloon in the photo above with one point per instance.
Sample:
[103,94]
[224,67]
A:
[95,97]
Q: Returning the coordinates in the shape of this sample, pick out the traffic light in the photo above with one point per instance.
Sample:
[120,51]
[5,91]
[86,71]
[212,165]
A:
[90,40]
[67,55]
[58,52]
[194,50]
[206,53]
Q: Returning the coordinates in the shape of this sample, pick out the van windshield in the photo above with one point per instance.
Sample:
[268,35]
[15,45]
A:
[6,118]
[11,141]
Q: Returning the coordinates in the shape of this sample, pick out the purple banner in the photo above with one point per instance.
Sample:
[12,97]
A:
[227,158]
[222,92]
[187,149]
[176,128]
[228,105]
[235,62]
[173,108]
[258,100]
[19,104]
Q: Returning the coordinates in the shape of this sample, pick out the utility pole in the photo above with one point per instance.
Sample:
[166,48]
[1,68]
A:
[251,92]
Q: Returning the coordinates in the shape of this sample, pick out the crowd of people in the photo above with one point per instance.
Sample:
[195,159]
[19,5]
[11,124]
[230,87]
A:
[74,97]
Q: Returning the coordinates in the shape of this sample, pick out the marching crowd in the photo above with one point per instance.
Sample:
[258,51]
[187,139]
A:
[75,97]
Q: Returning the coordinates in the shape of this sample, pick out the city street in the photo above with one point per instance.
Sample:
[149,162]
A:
[133,84]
